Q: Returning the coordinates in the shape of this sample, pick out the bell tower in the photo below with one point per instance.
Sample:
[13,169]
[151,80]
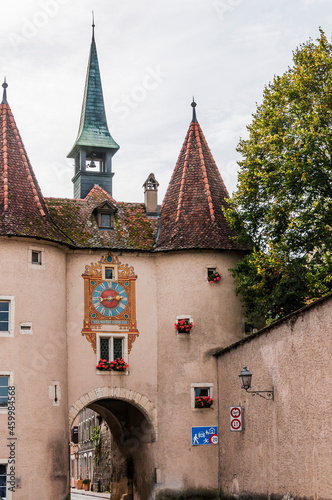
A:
[94,147]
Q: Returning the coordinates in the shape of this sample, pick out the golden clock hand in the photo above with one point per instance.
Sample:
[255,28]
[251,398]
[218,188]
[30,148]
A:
[110,298]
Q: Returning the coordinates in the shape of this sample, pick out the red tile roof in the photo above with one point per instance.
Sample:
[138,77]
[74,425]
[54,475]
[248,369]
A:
[133,230]
[22,208]
[24,211]
[191,214]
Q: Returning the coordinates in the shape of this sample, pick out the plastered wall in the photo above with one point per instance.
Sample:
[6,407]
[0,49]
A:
[286,445]
[37,360]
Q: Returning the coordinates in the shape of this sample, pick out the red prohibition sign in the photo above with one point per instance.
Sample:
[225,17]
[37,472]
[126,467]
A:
[235,412]
[214,439]
[235,424]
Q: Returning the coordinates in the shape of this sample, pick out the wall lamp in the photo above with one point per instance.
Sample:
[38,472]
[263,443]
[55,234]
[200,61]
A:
[245,378]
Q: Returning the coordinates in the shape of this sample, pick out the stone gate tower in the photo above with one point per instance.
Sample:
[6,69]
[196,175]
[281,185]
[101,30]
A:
[89,281]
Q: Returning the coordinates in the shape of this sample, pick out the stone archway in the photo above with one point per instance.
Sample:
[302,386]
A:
[132,419]
[135,398]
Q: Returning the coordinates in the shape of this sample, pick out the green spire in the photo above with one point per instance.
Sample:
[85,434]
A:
[93,130]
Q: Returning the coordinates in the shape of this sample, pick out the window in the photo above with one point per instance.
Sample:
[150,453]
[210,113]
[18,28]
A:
[6,316]
[200,390]
[4,383]
[36,257]
[74,434]
[109,272]
[3,481]
[211,270]
[104,215]
[111,347]
[105,221]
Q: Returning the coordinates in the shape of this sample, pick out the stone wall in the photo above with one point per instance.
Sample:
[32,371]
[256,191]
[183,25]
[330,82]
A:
[102,467]
[286,445]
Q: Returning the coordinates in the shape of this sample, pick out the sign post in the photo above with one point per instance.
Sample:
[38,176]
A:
[235,418]
[204,435]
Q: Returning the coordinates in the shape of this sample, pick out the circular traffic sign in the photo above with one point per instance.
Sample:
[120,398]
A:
[235,424]
[214,439]
[235,412]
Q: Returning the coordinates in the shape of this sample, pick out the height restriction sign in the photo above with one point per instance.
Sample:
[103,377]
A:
[235,418]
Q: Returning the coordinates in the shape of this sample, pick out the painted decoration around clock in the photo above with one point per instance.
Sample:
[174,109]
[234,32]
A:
[109,303]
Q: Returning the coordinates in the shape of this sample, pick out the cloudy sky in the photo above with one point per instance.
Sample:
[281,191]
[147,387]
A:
[153,56]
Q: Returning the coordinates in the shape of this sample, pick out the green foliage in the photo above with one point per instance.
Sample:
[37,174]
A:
[270,286]
[96,438]
[283,203]
[95,435]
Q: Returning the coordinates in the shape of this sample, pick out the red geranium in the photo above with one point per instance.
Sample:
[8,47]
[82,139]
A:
[183,325]
[203,402]
[117,364]
[214,278]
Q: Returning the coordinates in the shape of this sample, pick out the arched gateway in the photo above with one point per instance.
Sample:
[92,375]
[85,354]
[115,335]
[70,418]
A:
[132,420]
[97,398]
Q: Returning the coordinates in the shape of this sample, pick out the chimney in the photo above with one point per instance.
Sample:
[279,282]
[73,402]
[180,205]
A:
[151,195]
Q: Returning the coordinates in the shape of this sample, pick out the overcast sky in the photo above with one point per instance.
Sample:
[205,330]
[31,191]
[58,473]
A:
[153,57]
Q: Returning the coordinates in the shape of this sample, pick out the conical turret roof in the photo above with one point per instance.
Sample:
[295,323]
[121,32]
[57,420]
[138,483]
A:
[191,215]
[93,130]
[22,207]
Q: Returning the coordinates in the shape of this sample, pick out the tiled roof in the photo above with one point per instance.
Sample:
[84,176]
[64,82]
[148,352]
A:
[93,130]
[24,211]
[22,208]
[133,230]
[191,214]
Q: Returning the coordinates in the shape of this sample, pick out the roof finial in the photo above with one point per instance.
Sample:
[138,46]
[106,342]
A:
[193,104]
[93,25]
[4,97]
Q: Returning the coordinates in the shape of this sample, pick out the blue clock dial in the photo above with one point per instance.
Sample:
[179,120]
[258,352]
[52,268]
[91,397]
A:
[109,298]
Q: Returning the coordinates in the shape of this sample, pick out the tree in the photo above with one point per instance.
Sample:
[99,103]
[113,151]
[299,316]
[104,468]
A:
[283,203]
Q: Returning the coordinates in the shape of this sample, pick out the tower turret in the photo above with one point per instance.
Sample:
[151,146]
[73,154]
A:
[191,215]
[94,146]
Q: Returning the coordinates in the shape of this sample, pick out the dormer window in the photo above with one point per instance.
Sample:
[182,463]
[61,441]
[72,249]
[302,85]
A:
[105,216]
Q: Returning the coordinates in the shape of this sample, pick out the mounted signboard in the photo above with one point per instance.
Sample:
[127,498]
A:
[235,418]
[204,435]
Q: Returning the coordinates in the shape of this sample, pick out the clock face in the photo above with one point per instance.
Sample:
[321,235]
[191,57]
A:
[109,298]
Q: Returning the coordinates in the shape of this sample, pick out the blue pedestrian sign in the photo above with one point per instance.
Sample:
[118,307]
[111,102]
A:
[204,435]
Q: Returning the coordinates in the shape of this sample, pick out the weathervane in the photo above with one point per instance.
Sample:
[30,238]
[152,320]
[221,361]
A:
[93,24]
[4,97]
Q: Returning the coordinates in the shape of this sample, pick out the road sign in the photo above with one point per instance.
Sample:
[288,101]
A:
[214,439]
[235,418]
[204,435]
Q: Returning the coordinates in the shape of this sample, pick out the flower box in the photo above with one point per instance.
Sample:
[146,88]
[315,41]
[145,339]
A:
[203,402]
[118,365]
[214,278]
[183,325]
